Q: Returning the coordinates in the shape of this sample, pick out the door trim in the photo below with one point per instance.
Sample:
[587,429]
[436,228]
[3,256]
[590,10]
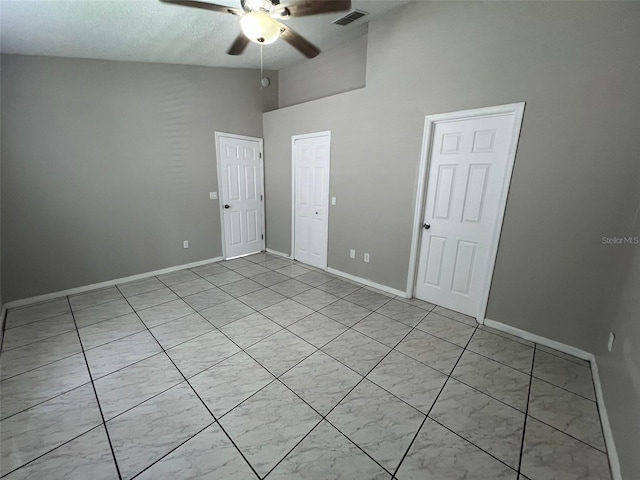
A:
[220,203]
[293,188]
[517,110]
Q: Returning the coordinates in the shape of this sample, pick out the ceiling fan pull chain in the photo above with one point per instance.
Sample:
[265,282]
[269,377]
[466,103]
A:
[264,81]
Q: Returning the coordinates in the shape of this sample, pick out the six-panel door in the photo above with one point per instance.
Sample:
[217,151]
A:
[241,195]
[469,160]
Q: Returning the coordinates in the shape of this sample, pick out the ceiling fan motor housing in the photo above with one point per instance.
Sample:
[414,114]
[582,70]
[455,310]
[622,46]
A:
[268,6]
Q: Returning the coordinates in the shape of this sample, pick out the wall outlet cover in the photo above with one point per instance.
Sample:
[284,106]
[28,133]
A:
[185,244]
[366,258]
[352,253]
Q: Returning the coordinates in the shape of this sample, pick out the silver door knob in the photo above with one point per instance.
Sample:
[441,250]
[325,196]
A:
[426,226]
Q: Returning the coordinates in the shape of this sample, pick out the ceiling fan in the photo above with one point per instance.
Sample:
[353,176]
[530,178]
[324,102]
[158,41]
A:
[260,20]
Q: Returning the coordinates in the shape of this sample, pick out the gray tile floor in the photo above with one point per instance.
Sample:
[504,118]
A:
[262,367]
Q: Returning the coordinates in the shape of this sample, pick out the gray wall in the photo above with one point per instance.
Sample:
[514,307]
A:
[106,166]
[575,64]
[338,70]
[1,319]
[576,172]
[620,368]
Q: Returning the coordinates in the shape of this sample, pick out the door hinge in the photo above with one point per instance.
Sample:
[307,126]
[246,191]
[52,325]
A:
[260,197]
[262,236]
[260,154]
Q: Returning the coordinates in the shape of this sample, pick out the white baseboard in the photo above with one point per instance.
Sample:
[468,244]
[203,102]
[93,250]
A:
[348,276]
[368,283]
[280,254]
[614,462]
[108,283]
[532,337]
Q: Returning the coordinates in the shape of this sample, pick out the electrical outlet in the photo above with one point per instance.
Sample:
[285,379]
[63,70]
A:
[333,200]
[366,258]
[185,244]
[213,195]
[352,253]
[612,338]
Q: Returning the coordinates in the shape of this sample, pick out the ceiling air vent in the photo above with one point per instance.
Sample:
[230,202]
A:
[350,17]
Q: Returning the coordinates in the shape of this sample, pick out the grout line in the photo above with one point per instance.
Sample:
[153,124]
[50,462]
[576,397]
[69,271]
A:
[278,377]
[106,319]
[526,413]
[569,435]
[324,417]
[203,403]
[435,400]
[115,340]
[498,362]
[558,354]
[475,445]
[565,389]
[3,349]
[283,300]
[152,306]
[40,366]
[362,379]
[35,341]
[506,335]
[450,318]
[171,319]
[101,302]
[127,366]
[173,449]
[53,449]
[144,401]
[95,393]
[48,317]
[45,400]
[485,393]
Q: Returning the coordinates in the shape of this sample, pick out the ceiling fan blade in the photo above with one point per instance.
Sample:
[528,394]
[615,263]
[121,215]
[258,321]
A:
[238,45]
[298,42]
[206,6]
[305,8]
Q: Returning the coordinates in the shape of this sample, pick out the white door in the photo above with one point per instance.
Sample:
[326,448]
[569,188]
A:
[240,180]
[469,162]
[311,159]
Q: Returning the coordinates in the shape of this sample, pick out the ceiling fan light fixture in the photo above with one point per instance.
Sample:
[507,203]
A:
[260,28]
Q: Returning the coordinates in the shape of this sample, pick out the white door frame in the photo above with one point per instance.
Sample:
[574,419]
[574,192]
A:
[293,187]
[220,199]
[517,110]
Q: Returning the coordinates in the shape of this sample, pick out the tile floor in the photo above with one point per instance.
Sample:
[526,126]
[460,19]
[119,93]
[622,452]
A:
[261,367]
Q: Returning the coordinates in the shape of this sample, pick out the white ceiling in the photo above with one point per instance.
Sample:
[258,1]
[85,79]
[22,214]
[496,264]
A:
[150,31]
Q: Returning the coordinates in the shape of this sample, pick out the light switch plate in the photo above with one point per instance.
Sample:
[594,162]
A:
[213,195]
[333,200]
